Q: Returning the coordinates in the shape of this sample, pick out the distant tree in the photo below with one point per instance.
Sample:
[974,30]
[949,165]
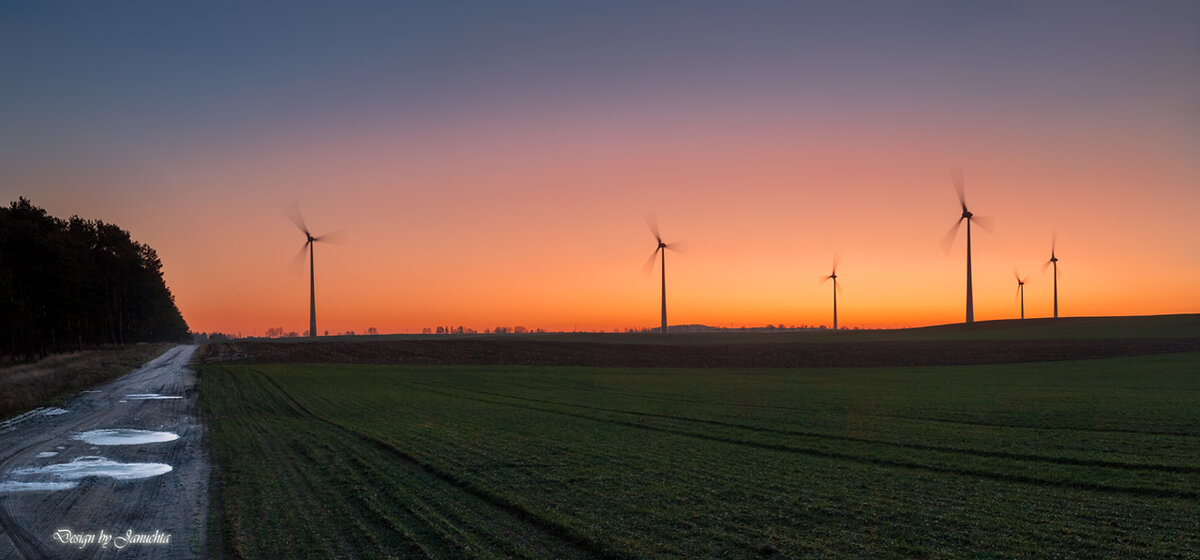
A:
[292,334]
[519,330]
[372,331]
[426,330]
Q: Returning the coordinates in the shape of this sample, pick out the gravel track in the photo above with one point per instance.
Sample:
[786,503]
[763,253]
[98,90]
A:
[174,503]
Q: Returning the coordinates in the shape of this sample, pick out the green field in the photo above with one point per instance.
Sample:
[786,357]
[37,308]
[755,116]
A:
[1085,459]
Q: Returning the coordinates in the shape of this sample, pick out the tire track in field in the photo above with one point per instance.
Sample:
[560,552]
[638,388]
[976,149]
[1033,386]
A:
[1023,479]
[664,398]
[1175,469]
[564,534]
[1025,427]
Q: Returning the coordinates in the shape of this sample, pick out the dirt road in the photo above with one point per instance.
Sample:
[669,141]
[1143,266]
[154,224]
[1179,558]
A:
[104,475]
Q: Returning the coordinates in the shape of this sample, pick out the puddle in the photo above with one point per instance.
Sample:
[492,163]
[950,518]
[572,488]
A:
[92,391]
[16,486]
[55,411]
[97,466]
[124,436]
[45,454]
[150,396]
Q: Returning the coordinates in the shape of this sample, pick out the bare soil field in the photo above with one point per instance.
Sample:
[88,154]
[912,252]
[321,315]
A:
[117,465]
[534,352]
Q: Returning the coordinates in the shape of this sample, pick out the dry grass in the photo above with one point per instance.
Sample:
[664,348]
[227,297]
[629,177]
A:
[27,386]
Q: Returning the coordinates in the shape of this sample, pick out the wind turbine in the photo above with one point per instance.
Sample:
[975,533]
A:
[1053,261]
[953,233]
[293,212]
[1021,289]
[836,287]
[652,222]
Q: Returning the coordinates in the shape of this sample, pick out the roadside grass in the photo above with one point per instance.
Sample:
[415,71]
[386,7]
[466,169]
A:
[1085,459]
[28,386]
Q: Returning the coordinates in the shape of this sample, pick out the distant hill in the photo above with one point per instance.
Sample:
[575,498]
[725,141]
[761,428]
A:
[70,284]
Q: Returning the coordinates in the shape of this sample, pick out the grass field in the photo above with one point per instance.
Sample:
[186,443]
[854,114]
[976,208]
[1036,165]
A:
[1073,459]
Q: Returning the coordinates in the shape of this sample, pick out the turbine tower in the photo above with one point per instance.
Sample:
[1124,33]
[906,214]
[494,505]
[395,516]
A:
[953,233]
[1053,261]
[293,212]
[652,222]
[836,287]
[1021,289]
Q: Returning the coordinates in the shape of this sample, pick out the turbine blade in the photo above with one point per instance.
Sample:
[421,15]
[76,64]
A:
[292,211]
[837,285]
[649,266]
[652,223]
[836,259]
[1018,293]
[956,175]
[948,240]
[337,237]
[297,266]
[1044,266]
[984,222]
[822,280]
[1053,243]
[680,247]
[1015,275]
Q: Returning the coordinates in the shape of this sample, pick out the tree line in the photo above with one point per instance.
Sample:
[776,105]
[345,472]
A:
[70,284]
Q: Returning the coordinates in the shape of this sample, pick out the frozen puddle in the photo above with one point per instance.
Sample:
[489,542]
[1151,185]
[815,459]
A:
[124,436]
[151,396]
[69,474]
[55,411]
[46,454]
[97,466]
[16,486]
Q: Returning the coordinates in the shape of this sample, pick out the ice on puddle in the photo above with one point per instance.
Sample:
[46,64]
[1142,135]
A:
[150,396]
[18,486]
[92,465]
[124,436]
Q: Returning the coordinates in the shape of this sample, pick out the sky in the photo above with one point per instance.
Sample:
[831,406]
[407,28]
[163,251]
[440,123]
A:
[492,162]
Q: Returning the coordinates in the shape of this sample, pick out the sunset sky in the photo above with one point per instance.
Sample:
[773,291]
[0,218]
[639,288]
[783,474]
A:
[492,161]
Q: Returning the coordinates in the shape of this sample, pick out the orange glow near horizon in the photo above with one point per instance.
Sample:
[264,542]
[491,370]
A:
[501,177]
[561,247]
